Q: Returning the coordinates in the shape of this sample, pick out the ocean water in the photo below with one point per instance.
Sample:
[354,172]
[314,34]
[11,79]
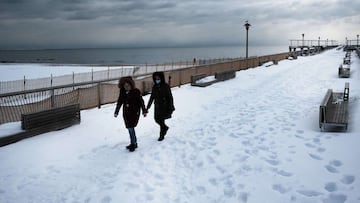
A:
[133,55]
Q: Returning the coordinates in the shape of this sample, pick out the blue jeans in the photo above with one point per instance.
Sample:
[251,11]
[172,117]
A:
[132,135]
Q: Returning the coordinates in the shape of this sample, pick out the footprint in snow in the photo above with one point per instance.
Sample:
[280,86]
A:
[347,179]
[316,157]
[272,162]
[331,169]
[213,181]
[201,189]
[335,198]
[336,163]
[243,197]
[320,149]
[300,131]
[280,188]
[229,192]
[309,193]
[106,199]
[283,173]
[331,187]
[310,145]
[217,152]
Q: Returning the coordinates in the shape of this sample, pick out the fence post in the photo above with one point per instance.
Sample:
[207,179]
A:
[73,77]
[52,93]
[99,94]
[24,86]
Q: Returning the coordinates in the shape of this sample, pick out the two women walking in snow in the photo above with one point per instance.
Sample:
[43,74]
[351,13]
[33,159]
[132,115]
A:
[131,100]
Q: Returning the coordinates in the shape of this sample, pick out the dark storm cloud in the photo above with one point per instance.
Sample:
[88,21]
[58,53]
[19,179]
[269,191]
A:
[74,23]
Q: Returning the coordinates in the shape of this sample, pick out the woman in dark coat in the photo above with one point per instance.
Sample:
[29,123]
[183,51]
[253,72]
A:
[164,104]
[132,102]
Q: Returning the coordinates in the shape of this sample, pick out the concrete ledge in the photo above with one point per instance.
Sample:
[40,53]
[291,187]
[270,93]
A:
[219,76]
[195,80]
[225,75]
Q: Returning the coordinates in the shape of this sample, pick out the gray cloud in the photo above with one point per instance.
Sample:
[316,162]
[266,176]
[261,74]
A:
[114,23]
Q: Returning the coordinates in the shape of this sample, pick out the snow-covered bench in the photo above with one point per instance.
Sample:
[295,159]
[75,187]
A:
[347,60]
[344,71]
[334,109]
[44,121]
[52,119]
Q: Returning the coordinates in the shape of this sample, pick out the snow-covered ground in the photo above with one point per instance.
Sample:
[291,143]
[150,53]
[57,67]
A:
[252,139]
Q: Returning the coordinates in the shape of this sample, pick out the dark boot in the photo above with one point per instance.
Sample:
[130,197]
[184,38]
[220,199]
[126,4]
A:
[165,130]
[132,147]
[163,133]
[161,138]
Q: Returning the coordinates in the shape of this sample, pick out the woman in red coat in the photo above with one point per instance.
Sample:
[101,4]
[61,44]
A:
[131,100]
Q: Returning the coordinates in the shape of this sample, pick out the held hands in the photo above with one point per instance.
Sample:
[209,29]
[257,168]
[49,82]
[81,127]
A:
[145,112]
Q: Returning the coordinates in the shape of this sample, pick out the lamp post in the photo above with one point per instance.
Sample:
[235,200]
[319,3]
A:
[346,41]
[357,40]
[247,25]
[303,35]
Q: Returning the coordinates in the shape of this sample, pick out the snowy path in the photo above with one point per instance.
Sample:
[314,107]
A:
[251,139]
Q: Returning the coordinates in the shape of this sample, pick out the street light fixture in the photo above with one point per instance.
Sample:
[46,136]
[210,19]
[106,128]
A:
[303,35]
[346,41]
[247,26]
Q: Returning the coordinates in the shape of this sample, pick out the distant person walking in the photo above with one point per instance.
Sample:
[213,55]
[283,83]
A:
[163,100]
[131,100]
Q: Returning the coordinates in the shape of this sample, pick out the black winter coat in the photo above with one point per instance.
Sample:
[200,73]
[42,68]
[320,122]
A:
[164,103]
[132,102]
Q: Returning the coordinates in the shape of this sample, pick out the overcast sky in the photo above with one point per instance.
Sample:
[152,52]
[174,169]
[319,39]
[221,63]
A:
[158,23]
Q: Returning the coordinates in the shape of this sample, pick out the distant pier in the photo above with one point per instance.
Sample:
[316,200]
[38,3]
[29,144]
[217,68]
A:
[352,45]
[311,46]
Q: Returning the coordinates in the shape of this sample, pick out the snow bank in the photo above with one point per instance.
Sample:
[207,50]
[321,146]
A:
[251,139]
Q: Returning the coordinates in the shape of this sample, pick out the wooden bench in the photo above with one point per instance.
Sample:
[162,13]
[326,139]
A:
[344,71]
[44,121]
[334,109]
[53,119]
